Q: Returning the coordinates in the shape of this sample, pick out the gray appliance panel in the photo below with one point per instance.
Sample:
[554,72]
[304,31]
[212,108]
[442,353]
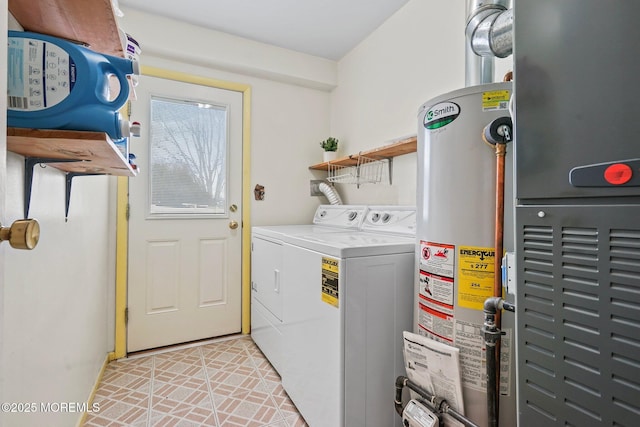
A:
[578,308]
[577,94]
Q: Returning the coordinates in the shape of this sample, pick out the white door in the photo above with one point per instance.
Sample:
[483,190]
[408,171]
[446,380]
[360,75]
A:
[185,236]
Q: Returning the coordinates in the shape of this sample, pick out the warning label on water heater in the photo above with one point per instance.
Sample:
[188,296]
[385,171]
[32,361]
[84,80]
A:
[436,294]
[437,258]
[330,288]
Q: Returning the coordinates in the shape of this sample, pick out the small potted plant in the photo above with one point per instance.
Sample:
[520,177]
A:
[330,146]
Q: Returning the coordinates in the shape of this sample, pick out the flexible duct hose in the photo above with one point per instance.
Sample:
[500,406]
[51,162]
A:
[330,192]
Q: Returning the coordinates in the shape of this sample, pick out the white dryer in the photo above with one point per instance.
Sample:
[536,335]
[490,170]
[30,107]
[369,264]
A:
[346,297]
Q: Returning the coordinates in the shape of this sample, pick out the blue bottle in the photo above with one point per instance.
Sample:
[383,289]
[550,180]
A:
[55,84]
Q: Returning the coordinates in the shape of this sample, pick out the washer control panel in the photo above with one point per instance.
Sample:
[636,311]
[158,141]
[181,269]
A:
[391,219]
[341,216]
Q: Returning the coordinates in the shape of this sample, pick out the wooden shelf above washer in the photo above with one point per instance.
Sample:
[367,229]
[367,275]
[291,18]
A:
[404,146]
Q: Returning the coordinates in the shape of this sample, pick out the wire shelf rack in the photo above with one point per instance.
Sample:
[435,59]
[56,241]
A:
[366,171]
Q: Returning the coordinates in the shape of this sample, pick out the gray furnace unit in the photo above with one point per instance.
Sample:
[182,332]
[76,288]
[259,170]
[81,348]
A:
[577,214]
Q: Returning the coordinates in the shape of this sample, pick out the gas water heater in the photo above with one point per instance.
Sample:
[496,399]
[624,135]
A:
[456,208]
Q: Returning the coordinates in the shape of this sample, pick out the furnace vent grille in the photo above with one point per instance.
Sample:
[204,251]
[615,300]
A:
[579,319]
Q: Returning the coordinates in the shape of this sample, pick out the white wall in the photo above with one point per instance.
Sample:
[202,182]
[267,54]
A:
[55,296]
[52,324]
[416,55]
[289,104]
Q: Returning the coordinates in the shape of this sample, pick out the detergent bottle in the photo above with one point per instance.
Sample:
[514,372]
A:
[56,84]
[123,143]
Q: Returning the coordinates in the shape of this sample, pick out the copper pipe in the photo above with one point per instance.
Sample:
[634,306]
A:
[501,151]
[497,134]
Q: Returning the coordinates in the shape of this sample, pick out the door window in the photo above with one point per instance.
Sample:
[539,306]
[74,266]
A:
[188,153]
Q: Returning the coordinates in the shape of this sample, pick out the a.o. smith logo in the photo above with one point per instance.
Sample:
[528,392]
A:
[441,115]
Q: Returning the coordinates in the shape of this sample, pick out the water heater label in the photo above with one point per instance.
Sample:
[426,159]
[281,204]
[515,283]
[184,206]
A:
[436,291]
[40,74]
[437,258]
[495,100]
[441,115]
[330,288]
[475,276]
[436,294]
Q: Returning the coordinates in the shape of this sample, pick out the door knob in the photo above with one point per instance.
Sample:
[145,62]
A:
[233,225]
[23,234]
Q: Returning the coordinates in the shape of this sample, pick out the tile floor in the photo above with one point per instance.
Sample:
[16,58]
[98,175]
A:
[226,382]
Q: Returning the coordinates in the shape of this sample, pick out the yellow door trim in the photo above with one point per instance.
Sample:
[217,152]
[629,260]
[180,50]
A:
[122,232]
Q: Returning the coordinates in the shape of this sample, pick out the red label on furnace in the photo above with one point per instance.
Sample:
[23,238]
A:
[618,174]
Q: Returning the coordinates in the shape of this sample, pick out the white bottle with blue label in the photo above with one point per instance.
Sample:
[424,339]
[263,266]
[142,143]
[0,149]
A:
[55,84]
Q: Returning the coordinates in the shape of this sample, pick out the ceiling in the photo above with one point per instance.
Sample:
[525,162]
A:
[324,28]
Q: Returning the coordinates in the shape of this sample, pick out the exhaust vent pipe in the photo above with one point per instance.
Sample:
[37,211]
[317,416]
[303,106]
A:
[489,34]
[330,192]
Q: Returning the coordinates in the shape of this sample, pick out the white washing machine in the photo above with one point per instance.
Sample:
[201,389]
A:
[266,271]
[345,298]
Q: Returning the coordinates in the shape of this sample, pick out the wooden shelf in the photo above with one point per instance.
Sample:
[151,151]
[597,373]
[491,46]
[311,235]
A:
[91,22]
[94,150]
[405,146]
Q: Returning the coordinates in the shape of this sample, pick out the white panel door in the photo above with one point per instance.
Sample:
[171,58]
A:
[184,248]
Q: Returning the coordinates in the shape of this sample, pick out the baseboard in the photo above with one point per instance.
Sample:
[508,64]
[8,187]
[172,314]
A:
[109,357]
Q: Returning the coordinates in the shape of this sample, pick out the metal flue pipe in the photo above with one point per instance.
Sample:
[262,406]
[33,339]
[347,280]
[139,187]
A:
[489,34]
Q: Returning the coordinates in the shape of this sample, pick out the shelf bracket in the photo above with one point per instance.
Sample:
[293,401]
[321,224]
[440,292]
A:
[29,164]
[67,200]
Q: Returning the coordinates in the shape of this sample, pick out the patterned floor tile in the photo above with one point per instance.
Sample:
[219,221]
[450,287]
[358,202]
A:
[118,412]
[251,408]
[296,421]
[283,402]
[224,383]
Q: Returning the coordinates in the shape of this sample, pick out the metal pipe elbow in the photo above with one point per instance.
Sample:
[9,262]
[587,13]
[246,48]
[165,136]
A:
[492,305]
[400,383]
[490,31]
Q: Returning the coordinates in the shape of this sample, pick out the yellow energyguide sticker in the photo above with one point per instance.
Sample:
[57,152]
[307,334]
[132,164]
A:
[330,285]
[475,276]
